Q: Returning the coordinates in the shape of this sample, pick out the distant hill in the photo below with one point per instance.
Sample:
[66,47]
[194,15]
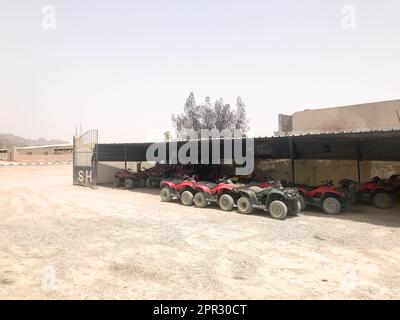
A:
[8,140]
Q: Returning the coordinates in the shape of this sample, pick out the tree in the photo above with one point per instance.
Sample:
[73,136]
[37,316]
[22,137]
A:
[224,117]
[219,116]
[167,136]
[241,121]
[207,115]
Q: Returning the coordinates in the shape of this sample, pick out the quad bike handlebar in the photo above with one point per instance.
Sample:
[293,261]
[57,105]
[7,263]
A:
[375,179]
[186,177]
[327,182]
[225,180]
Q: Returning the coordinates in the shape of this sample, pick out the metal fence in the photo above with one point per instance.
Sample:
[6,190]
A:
[85,159]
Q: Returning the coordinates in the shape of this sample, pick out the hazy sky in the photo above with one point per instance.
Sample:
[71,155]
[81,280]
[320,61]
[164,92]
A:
[124,67]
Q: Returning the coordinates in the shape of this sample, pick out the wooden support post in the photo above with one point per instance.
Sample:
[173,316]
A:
[125,156]
[358,161]
[292,160]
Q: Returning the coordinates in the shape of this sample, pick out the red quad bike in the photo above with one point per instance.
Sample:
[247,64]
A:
[331,199]
[376,191]
[394,180]
[182,189]
[221,193]
[129,179]
[156,174]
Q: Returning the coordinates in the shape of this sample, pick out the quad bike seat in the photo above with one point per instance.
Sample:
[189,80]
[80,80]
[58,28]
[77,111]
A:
[258,190]
[174,180]
[211,185]
[305,187]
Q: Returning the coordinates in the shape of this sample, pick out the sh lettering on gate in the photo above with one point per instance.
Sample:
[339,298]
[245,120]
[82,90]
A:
[85,176]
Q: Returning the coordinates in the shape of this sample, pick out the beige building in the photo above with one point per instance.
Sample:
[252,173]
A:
[60,152]
[383,115]
[3,154]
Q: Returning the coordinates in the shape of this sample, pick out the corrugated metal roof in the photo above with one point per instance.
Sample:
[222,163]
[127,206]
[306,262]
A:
[293,134]
[47,146]
[371,145]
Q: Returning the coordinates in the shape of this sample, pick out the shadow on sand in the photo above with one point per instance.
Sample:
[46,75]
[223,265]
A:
[359,213]
[364,213]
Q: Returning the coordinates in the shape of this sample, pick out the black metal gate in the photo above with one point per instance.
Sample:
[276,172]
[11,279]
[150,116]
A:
[85,159]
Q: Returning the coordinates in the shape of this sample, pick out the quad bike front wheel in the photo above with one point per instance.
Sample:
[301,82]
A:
[200,200]
[141,183]
[244,205]
[382,200]
[226,202]
[165,194]
[278,210]
[128,183]
[331,205]
[294,209]
[302,203]
[187,198]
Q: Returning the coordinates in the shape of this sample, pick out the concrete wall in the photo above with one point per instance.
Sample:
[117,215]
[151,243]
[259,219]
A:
[312,172]
[107,170]
[44,151]
[368,116]
[42,158]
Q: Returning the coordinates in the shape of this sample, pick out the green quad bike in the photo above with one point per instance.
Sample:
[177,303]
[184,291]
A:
[277,201]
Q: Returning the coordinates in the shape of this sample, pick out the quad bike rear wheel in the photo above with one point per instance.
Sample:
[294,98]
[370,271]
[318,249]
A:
[382,200]
[129,183]
[278,210]
[200,200]
[226,202]
[116,182]
[149,181]
[187,198]
[165,194]
[294,209]
[331,205]
[244,205]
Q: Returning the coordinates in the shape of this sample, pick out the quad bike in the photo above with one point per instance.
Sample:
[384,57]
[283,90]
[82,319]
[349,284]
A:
[129,179]
[331,199]
[182,189]
[376,191]
[185,170]
[394,180]
[157,173]
[222,193]
[279,202]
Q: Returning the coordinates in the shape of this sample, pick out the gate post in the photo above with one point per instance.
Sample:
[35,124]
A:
[85,159]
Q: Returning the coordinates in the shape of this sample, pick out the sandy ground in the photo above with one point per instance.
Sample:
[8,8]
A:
[68,242]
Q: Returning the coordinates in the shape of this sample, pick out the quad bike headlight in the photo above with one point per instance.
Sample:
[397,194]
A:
[291,194]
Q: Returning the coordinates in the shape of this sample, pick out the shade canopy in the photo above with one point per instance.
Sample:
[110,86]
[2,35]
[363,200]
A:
[372,145]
